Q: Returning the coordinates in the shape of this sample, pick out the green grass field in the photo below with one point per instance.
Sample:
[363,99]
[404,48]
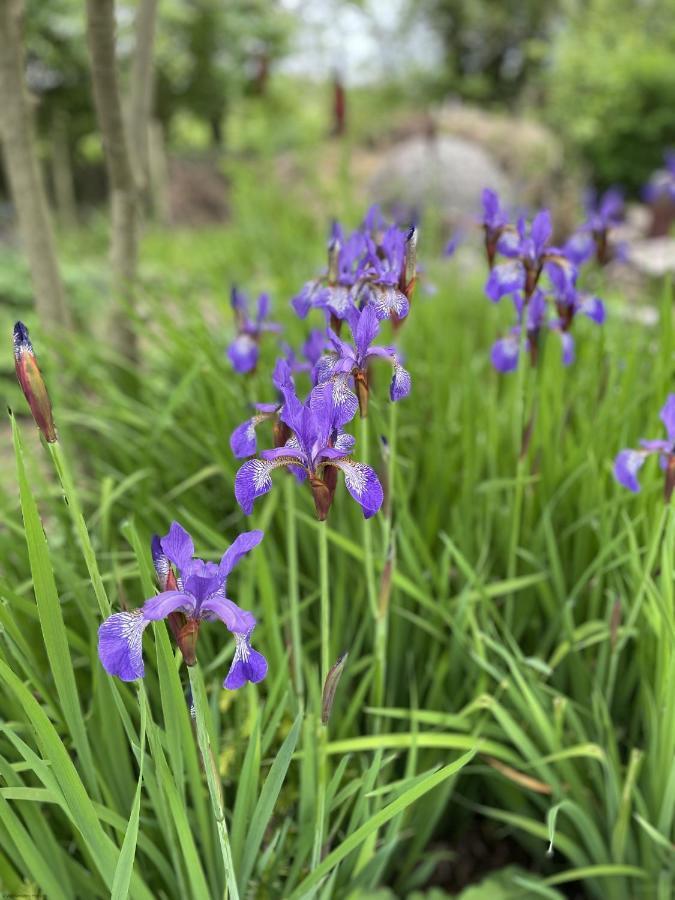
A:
[529,687]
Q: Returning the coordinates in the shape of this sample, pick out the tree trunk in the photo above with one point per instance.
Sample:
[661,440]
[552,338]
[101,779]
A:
[62,172]
[158,167]
[23,170]
[123,197]
[142,82]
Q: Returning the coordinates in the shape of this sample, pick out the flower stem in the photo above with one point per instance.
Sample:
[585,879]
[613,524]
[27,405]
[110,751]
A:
[293,590]
[322,762]
[324,600]
[520,456]
[199,702]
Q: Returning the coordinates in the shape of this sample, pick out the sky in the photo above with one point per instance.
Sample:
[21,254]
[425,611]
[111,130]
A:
[365,42]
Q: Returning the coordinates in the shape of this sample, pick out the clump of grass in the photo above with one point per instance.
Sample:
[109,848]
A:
[559,724]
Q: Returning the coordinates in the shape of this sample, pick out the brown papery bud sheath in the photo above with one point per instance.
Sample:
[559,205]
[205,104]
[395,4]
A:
[32,382]
[330,687]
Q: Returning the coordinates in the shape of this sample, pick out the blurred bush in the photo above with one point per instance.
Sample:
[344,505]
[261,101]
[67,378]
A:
[611,86]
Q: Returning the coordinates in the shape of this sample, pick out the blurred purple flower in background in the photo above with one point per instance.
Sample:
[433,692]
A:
[629,462]
[352,359]
[244,349]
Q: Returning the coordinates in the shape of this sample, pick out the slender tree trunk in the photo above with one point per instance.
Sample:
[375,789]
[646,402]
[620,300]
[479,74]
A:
[62,171]
[158,167]
[123,196]
[142,83]
[23,170]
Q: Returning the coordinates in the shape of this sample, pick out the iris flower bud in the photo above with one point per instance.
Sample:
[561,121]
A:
[32,382]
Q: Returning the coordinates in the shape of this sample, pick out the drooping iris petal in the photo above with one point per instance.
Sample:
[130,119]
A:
[345,402]
[593,307]
[388,301]
[626,466]
[504,279]
[242,544]
[667,416]
[338,300]
[363,484]
[243,353]
[254,479]
[120,644]
[247,665]
[400,383]
[579,248]
[567,348]
[504,354]
[167,602]
[178,546]
[243,441]
[344,441]
[235,618]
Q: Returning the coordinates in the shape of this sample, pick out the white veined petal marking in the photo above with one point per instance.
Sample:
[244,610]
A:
[356,474]
[242,649]
[262,480]
[131,628]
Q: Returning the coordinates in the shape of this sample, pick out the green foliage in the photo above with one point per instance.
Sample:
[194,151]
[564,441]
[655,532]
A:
[525,700]
[612,87]
[492,47]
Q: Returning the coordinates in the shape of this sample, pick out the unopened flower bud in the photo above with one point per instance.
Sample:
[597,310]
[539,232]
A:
[669,485]
[410,270]
[186,638]
[32,382]
[330,687]
[322,491]
[361,385]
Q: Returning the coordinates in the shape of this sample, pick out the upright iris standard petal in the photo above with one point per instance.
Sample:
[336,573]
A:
[247,665]
[178,546]
[120,644]
[365,329]
[362,483]
[626,467]
[243,353]
[542,229]
[242,544]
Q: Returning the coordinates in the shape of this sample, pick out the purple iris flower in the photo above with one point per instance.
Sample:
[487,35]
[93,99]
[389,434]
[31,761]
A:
[351,360]
[311,352]
[244,349]
[603,214]
[333,291]
[371,265]
[662,183]
[382,273]
[505,352]
[528,253]
[192,593]
[494,222]
[315,450]
[243,440]
[629,462]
